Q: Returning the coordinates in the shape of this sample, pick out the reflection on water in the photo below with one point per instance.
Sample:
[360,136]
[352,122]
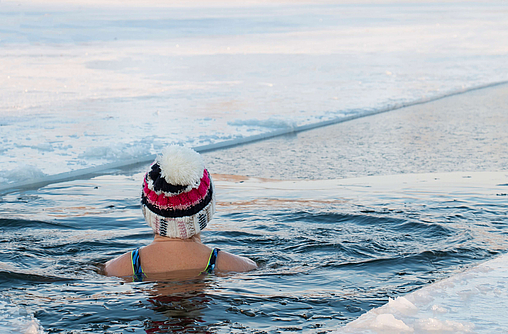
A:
[328,252]
[180,302]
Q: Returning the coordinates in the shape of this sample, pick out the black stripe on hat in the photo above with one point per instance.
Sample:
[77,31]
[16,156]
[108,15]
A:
[160,183]
[170,213]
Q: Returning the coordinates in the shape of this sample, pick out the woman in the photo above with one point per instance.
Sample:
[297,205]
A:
[178,201]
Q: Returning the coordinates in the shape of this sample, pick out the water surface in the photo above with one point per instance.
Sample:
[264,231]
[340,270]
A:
[328,251]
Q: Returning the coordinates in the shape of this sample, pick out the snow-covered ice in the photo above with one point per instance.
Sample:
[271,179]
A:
[88,84]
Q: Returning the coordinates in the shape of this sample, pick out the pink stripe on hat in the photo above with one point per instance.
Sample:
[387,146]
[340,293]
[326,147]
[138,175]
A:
[182,200]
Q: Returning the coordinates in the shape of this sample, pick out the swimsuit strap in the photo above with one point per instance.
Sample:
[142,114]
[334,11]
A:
[211,261]
[137,271]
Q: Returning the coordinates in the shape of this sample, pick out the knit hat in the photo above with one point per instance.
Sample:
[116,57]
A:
[178,199]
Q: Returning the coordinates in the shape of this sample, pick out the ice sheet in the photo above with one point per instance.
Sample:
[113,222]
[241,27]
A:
[85,85]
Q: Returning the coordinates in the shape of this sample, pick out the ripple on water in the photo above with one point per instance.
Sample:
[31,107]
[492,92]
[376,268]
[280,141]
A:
[322,263]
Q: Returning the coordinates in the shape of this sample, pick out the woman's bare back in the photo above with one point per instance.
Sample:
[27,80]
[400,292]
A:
[165,255]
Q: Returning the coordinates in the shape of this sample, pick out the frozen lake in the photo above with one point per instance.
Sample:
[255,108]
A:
[84,85]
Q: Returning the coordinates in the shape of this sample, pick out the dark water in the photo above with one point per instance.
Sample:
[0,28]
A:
[322,265]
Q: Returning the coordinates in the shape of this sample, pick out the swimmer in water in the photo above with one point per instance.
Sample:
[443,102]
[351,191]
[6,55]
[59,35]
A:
[177,201]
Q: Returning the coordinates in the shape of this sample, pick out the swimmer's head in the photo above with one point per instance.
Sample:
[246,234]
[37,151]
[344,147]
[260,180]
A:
[178,198]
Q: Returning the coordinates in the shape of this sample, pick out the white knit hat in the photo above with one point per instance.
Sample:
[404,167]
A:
[178,198]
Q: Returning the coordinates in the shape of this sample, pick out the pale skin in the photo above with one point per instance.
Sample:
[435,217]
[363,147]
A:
[173,254]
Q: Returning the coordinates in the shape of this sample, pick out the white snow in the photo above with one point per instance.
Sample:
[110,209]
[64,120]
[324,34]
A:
[388,323]
[403,306]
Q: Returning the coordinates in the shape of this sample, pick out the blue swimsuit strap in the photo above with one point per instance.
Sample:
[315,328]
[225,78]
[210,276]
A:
[137,271]
[211,261]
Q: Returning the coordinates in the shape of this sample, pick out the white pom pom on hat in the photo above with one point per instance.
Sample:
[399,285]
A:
[181,165]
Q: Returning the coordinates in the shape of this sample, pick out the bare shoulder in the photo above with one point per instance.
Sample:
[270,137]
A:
[230,262]
[120,266]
